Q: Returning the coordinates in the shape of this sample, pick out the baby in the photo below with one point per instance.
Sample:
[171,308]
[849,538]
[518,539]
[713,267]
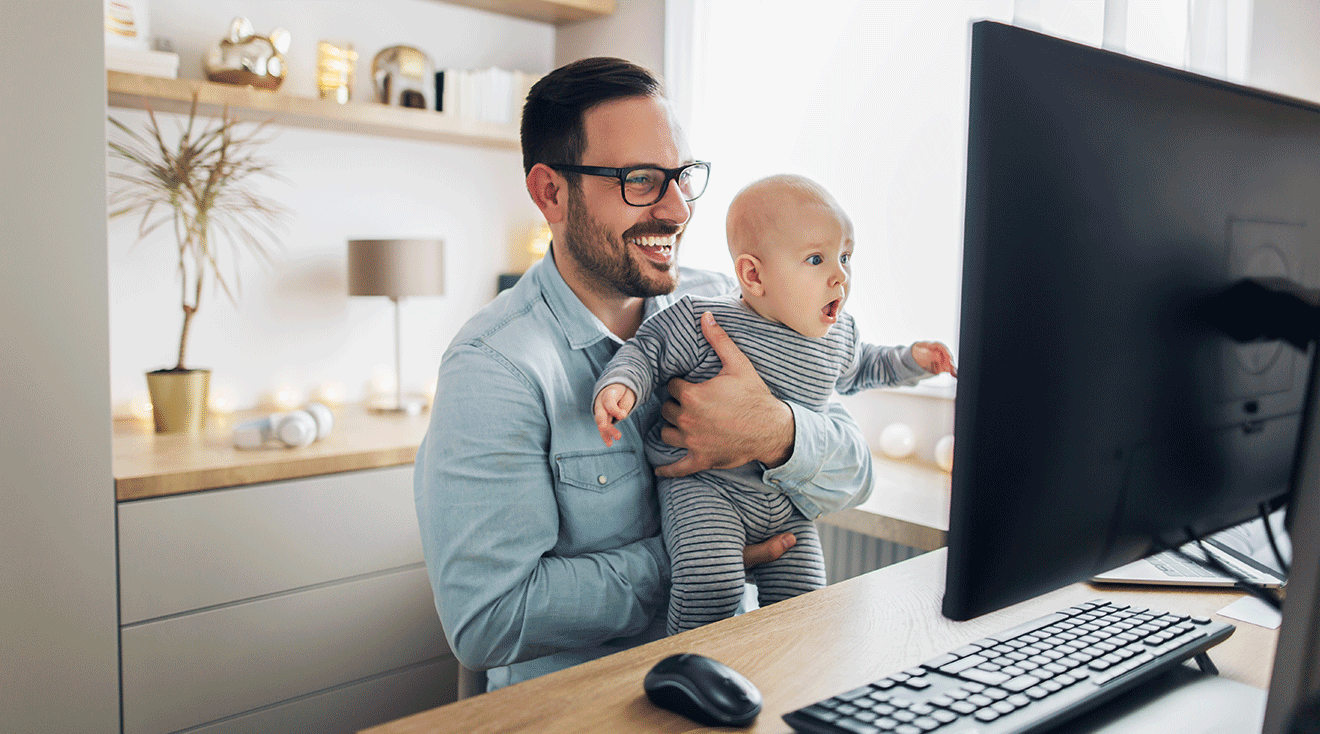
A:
[792,247]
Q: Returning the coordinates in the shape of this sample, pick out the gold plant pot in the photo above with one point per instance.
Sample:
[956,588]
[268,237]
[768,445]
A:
[179,399]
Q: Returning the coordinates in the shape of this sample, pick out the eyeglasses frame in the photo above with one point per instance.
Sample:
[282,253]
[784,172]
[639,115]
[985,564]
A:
[671,174]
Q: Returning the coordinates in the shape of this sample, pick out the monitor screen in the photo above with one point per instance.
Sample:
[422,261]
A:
[1098,416]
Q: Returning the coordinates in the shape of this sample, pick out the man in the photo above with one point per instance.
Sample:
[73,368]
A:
[542,544]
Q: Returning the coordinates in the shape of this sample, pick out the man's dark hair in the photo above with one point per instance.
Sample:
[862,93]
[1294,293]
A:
[552,129]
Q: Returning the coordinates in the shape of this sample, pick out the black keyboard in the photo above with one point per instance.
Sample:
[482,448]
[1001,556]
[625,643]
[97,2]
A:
[1024,679]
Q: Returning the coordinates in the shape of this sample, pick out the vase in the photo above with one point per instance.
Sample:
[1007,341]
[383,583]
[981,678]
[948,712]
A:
[179,399]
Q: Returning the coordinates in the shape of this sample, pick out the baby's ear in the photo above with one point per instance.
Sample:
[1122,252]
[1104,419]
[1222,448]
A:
[748,269]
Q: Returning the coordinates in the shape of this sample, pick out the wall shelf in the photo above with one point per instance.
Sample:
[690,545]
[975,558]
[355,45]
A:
[135,91]
[558,12]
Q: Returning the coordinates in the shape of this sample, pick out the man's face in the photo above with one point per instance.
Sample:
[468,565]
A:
[625,249]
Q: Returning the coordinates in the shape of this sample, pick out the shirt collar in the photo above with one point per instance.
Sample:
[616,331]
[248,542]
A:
[580,325]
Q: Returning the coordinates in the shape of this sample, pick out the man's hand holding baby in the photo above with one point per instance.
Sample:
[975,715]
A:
[934,357]
[613,404]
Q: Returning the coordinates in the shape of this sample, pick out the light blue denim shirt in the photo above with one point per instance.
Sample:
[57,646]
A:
[543,545]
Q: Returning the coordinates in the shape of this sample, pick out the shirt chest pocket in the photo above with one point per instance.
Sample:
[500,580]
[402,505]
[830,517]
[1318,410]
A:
[599,471]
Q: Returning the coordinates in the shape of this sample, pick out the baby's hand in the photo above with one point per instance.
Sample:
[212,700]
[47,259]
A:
[613,404]
[934,357]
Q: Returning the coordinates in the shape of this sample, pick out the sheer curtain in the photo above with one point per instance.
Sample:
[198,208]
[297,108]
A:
[870,99]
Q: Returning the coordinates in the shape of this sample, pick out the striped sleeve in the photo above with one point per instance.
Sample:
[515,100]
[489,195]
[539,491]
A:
[667,345]
[877,366]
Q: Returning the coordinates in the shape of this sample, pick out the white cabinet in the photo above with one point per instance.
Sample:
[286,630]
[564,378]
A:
[286,601]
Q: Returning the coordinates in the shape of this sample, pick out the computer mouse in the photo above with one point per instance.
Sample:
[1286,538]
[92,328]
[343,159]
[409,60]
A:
[704,690]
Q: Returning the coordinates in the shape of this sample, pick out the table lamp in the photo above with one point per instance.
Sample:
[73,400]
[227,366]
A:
[396,269]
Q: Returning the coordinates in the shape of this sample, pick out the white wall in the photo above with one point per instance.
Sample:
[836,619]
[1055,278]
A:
[636,32]
[59,661]
[1284,54]
[294,326]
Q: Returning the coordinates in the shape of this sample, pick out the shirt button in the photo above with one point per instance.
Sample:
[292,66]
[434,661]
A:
[602,479]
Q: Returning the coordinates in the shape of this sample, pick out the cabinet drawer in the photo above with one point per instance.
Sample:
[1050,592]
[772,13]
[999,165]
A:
[354,707]
[197,668]
[193,551]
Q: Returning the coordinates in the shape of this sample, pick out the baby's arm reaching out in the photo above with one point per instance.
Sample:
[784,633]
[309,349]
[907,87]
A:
[613,403]
[934,357]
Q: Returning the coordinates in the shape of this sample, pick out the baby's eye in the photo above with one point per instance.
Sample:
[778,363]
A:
[815,259]
[845,258]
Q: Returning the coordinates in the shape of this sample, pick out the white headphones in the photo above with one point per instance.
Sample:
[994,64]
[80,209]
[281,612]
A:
[293,429]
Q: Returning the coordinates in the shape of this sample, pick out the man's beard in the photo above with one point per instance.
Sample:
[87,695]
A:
[608,261]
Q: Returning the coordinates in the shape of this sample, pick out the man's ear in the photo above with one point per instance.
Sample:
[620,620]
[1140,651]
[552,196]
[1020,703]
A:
[549,191]
[748,269]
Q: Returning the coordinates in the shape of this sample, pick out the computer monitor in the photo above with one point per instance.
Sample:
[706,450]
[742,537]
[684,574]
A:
[1099,416]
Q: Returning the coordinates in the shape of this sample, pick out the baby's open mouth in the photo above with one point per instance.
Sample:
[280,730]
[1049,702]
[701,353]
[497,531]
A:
[831,310]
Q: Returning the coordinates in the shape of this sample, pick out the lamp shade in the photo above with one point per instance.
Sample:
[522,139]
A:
[396,268]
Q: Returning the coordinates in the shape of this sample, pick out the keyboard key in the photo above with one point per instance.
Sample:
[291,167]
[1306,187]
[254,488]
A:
[907,729]
[994,694]
[920,683]
[962,664]
[984,676]
[944,717]
[904,716]
[885,724]
[856,727]
[1037,692]
[854,693]
[926,723]
[963,707]
[979,700]
[1020,683]
[941,661]
[1003,707]
[987,715]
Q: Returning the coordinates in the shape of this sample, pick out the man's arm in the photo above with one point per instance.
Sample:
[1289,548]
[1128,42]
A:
[820,460]
[489,518]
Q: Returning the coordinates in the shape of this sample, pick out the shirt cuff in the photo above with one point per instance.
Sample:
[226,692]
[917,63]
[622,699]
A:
[656,547]
[809,433]
[914,369]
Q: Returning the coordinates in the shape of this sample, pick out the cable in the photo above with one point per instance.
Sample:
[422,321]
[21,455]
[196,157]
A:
[1269,533]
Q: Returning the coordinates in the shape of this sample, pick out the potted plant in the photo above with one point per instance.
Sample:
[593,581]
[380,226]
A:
[196,186]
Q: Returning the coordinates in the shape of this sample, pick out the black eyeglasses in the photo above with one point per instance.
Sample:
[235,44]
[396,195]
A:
[646,185]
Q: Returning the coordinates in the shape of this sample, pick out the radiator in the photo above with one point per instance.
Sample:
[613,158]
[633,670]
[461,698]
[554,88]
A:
[849,554]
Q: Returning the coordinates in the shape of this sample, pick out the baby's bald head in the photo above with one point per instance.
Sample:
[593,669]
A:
[766,207]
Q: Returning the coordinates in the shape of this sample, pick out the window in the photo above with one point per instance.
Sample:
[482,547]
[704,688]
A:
[870,99]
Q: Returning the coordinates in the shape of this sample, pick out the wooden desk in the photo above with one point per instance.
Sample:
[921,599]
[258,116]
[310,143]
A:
[803,650]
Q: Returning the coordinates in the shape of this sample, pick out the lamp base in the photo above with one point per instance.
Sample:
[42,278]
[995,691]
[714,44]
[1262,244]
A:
[406,406]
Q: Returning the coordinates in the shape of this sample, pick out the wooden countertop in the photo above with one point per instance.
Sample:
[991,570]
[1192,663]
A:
[909,504]
[805,649]
[150,465]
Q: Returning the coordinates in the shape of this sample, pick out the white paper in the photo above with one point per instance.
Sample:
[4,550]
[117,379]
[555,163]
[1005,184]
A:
[1251,610]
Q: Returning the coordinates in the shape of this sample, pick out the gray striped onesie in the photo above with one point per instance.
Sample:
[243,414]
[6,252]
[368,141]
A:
[708,517]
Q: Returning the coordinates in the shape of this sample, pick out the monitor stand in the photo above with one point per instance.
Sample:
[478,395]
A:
[1185,700]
